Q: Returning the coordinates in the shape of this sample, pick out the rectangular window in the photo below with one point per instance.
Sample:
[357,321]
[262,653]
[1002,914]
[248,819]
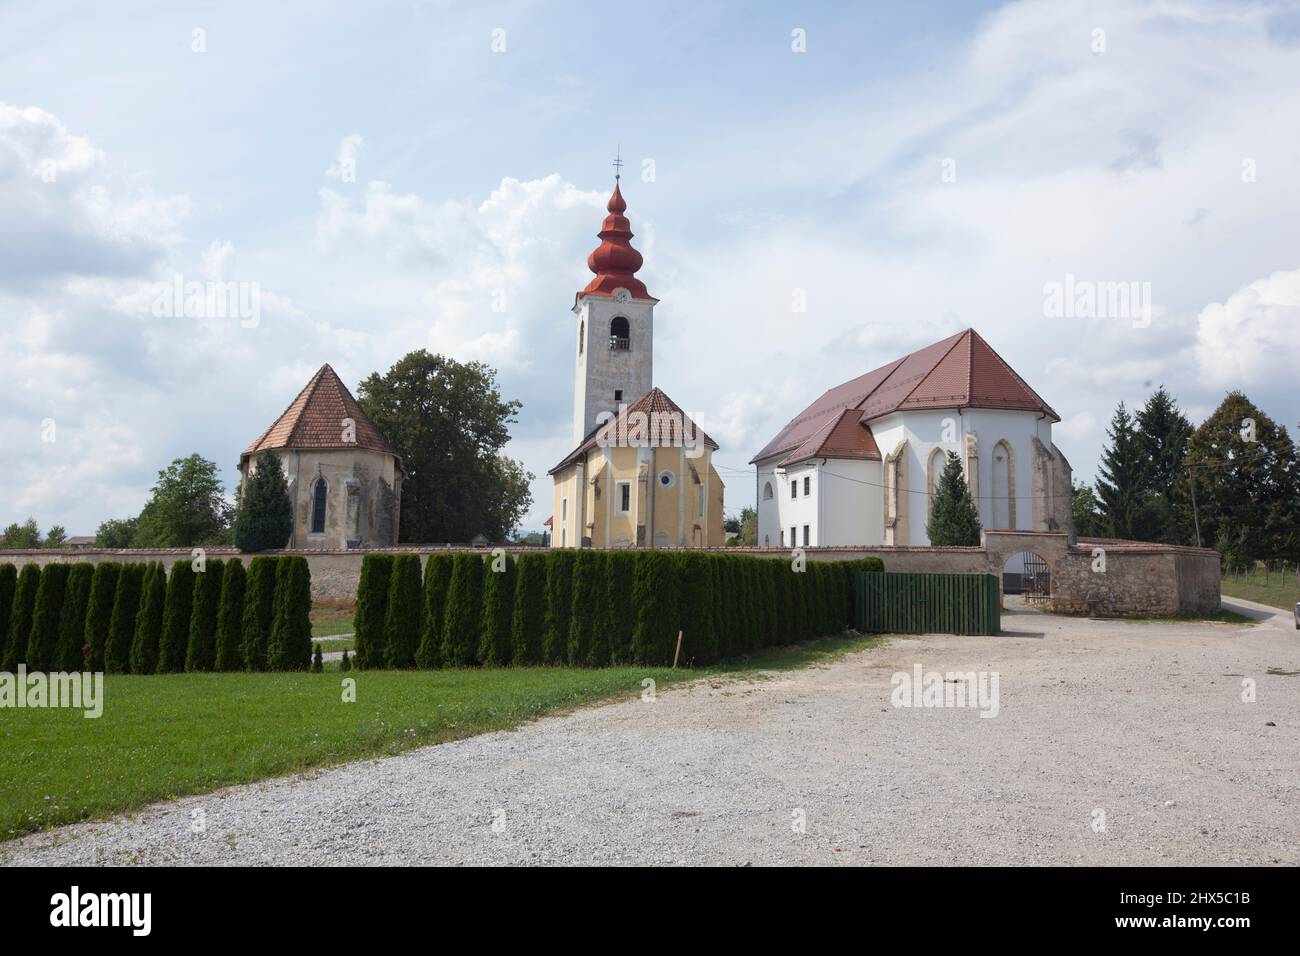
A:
[794,488]
[618,395]
[793,539]
[807,486]
[701,501]
[805,536]
[783,537]
[564,508]
[623,497]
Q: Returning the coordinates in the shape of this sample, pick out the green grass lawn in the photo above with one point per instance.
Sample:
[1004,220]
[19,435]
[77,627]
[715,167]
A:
[170,735]
[329,619]
[1271,591]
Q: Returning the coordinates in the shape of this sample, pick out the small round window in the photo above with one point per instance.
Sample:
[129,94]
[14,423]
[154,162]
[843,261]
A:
[667,479]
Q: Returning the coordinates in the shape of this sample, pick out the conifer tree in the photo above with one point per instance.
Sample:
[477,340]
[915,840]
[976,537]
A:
[495,628]
[954,519]
[1163,433]
[403,615]
[289,648]
[655,597]
[620,615]
[121,625]
[371,613]
[45,617]
[559,605]
[345,663]
[318,659]
[230,617]
[201,648]
[259,611]
[463,616]
[8,582]
[72,619]
[437,577]
[20,617]
[147,640]
[99,612]
[264,518]
[177,608]
[528,615]
[586,589]
[699,642]
[1123,480]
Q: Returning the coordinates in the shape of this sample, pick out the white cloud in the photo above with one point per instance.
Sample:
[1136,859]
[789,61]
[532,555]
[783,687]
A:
[1252,336]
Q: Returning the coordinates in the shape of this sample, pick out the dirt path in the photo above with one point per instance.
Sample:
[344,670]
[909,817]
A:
[1141,722]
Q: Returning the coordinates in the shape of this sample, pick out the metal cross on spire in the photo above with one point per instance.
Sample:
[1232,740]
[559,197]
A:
[618,163]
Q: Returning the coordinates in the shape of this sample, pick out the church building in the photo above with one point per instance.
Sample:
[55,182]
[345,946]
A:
[859,466]
[345,479]
[641,471]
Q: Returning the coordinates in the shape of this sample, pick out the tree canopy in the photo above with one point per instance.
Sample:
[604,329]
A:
[186,507]
[448,422]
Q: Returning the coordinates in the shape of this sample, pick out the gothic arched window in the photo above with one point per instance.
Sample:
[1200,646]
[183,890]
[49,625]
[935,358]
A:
[318,507]
[767,491]
[620,335]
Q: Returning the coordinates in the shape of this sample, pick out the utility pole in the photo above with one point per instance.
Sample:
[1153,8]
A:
[1196,519]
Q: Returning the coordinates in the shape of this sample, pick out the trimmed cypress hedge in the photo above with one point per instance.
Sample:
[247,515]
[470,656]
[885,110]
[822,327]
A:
[8,582]
[45,617]
[259,611]
[528,618]
[620,615]
[177,608]
[462,618]
[121,625]
[147,641]
[695,608]
[587,644]
[402,619]
[437,578]
[559,605]
[99,611]
[372,608]
[496,627]
[20,617]
[68,656]
[590,608]
[290,646]
[201,648]
[230,618]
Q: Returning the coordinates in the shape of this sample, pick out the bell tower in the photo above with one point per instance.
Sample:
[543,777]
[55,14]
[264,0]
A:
[614,325]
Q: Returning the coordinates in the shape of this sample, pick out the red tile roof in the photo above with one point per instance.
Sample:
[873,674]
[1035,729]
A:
[844,435]
[315,419]
[642,424]
[961,371]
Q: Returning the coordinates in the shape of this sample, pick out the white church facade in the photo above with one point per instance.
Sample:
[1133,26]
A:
[859,466]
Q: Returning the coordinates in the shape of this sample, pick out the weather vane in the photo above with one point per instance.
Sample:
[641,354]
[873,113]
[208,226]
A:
[618,163]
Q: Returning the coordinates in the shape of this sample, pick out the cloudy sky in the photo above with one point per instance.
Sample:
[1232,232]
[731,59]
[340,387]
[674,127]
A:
[420,175]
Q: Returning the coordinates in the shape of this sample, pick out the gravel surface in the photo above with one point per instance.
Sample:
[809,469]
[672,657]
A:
[1141,721]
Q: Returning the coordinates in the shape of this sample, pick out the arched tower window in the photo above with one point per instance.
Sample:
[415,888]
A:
[318,507]
[620,335]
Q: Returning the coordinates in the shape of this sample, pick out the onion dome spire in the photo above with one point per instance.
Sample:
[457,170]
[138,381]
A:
[614,261]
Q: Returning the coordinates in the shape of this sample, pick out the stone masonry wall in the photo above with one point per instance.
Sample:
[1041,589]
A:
[1139,579]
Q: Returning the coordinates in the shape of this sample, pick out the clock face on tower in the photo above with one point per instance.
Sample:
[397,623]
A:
[622,296]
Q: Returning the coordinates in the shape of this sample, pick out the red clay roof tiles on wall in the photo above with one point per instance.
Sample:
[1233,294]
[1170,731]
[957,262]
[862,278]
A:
[961,371]
[315,419]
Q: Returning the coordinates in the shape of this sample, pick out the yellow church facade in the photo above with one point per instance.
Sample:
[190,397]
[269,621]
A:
[637,482]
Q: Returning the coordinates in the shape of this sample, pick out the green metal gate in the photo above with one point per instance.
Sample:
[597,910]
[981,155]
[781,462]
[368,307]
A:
[897,603]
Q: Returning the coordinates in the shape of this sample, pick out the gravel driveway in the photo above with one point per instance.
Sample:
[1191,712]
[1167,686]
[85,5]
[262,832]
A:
[1141,722]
